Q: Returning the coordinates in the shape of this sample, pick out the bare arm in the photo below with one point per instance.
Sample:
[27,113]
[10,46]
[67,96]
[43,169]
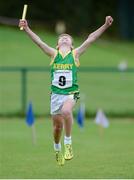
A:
[93,36]
[47,49]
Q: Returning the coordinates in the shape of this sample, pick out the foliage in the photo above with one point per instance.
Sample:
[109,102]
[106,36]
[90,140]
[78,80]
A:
[78,15]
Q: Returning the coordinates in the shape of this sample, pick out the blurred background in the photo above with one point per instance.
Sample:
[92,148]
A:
[80,16]
[107,81]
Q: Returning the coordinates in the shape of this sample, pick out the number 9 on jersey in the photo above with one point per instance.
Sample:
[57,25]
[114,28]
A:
[62,79]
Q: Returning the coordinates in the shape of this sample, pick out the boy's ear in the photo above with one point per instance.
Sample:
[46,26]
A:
[57,47]
[72,47]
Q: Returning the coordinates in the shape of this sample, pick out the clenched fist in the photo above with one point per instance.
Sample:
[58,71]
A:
[108,21]
[23,23]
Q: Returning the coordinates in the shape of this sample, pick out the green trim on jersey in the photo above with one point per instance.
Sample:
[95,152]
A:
[64,65]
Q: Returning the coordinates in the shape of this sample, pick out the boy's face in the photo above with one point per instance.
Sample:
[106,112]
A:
[65,40]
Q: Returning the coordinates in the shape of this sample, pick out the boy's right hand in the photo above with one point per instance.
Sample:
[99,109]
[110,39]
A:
[23,23]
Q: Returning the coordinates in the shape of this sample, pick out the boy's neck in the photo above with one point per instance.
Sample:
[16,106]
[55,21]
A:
[64,49]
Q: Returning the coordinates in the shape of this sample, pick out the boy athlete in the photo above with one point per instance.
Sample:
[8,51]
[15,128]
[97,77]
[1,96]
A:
[64,87]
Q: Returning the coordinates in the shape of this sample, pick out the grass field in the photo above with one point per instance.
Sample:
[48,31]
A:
[18,50]
[109,156]
[113,92]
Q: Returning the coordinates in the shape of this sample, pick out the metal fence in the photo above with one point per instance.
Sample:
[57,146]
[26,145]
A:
[20,85]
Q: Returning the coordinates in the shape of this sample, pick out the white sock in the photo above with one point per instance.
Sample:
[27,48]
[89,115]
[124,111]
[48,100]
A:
[67,140]
[57,147]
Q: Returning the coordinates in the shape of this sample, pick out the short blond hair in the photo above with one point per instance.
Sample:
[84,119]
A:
[65,34]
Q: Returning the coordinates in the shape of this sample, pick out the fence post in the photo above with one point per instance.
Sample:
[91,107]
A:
[24,89]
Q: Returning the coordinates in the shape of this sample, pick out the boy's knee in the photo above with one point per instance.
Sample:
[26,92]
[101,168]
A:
[58,128]
[66,112]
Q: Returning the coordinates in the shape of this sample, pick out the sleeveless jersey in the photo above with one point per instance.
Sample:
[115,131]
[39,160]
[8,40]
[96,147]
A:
[64,74]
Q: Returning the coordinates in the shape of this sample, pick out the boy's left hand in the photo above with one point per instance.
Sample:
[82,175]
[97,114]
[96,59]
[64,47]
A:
[108,21]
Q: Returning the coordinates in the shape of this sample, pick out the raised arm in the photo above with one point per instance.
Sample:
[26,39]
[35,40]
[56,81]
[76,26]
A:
[47,49]
[93,36]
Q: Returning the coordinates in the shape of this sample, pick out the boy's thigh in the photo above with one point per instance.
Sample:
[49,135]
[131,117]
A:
[68,105]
